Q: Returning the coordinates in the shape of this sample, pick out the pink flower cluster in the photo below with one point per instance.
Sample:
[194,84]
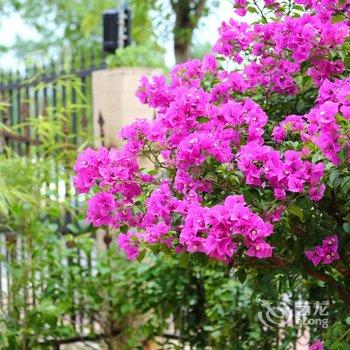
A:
[128,243]
[264,166]
[326,125]
[327,6]
[280,49]
[105,167]
[117,176]
[325,254]
[208,139]
[213,231]
[101,209]
[235,37]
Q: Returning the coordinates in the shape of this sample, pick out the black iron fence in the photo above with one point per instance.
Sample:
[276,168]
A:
[59,88]
[60,95]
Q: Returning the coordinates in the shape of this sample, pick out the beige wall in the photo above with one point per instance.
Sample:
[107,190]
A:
[114,97]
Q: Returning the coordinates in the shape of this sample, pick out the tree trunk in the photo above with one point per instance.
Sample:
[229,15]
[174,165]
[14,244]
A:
[188,14]
[182,51]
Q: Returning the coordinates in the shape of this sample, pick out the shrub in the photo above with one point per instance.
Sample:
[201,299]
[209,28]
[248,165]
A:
[251,157]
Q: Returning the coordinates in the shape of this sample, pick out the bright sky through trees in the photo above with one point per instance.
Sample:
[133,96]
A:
[13,26]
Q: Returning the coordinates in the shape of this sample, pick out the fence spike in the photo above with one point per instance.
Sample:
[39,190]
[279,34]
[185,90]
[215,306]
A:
[72,68]
[62,62]
[52,69]
[92,57]
[82,60]
[18,76]
[101,123]
[26,73]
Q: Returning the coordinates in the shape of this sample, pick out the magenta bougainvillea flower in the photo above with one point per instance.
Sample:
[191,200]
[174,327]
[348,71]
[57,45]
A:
[215,149]
[317,345]
[325,254]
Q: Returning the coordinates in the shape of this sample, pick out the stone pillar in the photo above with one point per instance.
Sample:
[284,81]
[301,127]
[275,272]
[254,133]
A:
[114,101]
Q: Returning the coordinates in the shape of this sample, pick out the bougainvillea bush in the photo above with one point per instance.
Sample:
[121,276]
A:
[250,150]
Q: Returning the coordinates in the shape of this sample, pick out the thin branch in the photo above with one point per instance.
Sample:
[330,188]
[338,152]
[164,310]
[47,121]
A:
[341,290]
[260,10]
[276,262]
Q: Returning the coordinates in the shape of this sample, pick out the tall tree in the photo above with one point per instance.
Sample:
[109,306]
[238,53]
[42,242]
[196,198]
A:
[188,14]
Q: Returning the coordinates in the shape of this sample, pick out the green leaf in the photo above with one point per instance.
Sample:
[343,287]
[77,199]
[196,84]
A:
[184,259]
[293,209]
[73,228]
[298,8]
[346,185]
[333,176]
[142,255]
[338,18]
[152,172]
[346,227]
[202,120]
[155,248]
[252,9]
[125,308]
[123,228]
[241,274]
[165,249]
